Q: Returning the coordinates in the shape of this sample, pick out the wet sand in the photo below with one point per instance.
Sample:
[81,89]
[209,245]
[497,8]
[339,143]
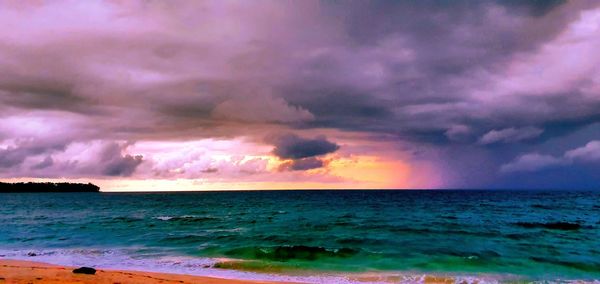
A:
[28,272]
[17,272]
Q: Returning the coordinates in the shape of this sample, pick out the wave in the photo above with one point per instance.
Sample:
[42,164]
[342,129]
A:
[164,218]
[518,237]
[564,226]
[359,241]
[542,206]
[125,219]
[583,266]
[127,259]
[275,238]
[186,239]
[186,218]
[285,253]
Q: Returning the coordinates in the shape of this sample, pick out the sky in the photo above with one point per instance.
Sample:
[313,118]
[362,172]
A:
[202,95]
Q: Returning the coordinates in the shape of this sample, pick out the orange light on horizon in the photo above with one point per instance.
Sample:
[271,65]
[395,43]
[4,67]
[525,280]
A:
[372,172]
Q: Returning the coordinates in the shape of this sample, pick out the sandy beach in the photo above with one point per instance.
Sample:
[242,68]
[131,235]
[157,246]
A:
[29,272]
[17,271]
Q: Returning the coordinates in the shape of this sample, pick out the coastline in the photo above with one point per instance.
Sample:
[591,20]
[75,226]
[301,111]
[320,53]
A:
[15,271]
[20,271]
[30,272]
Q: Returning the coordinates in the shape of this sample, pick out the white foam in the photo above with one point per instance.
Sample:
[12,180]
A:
[164,218]
[122,260]
[118,259]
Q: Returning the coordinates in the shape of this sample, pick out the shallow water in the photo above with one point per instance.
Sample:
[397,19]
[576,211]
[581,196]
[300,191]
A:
[533,235]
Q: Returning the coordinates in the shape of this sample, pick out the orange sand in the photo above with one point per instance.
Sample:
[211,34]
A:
[27,272]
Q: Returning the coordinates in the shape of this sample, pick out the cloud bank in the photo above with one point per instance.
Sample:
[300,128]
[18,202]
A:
[472,90]
[589,153]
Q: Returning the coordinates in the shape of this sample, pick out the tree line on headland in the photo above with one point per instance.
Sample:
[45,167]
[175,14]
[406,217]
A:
[48,187]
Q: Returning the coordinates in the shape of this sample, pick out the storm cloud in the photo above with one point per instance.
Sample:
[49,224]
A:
[302,164]
[454,85]
[291,146]
[510,135]
[15,155]
[114,163]
[301,153]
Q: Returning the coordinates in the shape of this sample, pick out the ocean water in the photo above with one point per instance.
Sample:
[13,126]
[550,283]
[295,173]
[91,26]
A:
[314,236]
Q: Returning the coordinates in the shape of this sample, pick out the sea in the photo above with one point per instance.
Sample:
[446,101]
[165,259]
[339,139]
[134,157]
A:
[318,236]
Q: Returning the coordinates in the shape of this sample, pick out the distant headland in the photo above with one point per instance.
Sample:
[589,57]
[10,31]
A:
[47,187]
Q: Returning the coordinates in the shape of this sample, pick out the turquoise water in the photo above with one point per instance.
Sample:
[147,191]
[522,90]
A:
[532,235]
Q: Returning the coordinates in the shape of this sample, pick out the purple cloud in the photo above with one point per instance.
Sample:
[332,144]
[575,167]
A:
[452,79]
[509,135]
[302,164]
[291,146]
[531,162]
[535,162]
[588,153]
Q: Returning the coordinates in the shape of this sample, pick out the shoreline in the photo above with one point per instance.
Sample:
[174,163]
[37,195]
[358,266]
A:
[15,271]
[21,271]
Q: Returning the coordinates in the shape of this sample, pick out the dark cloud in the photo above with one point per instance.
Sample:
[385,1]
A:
[210,170]
[460,77]
[302,164]
[406,68]
[532,162]
[14,156]
[124,166]
[509,135]
[291,146]
[301,153]
[47,162]
[536,8]
[114,163]
[99,159]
